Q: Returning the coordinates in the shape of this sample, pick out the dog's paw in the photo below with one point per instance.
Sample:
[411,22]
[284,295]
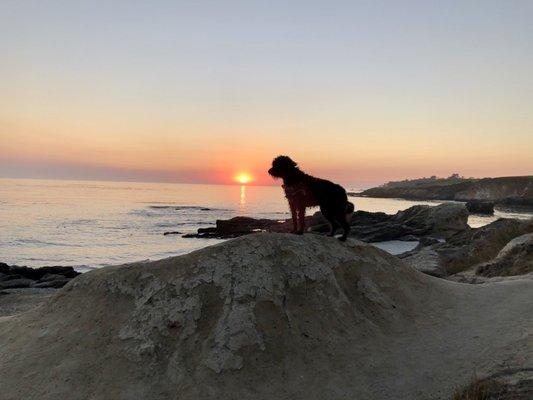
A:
[342,239]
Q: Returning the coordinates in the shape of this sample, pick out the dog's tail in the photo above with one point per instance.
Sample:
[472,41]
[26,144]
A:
[349,211]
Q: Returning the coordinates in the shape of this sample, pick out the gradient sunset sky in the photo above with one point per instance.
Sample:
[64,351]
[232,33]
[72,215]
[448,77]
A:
[196,91]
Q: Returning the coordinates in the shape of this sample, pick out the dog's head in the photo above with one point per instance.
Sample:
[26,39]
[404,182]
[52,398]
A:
[281,166]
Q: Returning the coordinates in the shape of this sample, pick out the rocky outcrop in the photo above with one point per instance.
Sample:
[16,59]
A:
[516,258]
[14,276]
[480,207]
[468,248]
[426,260]
[441,221]
[516,190]
[265,316]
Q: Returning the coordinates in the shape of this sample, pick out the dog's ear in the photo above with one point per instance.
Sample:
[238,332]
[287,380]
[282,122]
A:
[291,162]
[285,161]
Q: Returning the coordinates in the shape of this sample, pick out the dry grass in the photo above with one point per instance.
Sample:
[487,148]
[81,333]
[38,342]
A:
[480,389]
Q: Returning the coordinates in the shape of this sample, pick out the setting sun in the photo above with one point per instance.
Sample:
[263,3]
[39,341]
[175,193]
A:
[243,178]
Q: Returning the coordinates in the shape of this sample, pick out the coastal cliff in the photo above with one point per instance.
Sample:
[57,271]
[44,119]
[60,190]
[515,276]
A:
[515,190]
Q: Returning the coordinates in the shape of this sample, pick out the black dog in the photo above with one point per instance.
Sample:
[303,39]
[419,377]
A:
[304,190]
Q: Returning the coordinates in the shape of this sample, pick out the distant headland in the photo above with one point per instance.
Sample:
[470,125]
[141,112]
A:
[508,191]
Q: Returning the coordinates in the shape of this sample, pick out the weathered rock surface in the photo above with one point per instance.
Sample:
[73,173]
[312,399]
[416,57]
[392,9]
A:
[426,260]
[468,248]
[440,221]
[265,316]
[14,276]
[506,385]
[16,301]
[516,258]
[515,190]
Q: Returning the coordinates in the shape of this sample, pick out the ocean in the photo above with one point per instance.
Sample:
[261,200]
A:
[89,224]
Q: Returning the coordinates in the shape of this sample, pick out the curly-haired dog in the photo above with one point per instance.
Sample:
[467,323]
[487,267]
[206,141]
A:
[303,190]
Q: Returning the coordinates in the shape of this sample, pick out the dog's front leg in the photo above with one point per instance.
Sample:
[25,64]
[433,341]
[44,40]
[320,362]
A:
[294,218]
[301,219]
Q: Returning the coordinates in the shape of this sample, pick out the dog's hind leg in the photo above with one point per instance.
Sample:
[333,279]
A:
[342,218]
[346,228]
[330,216]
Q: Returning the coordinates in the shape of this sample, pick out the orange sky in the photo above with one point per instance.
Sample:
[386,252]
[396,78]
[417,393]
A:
[215,157]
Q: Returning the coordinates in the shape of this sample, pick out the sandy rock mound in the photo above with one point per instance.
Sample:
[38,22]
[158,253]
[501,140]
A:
[259,317]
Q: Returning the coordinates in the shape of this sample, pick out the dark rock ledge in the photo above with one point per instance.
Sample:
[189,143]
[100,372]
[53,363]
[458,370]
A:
[14,276]
[416,222]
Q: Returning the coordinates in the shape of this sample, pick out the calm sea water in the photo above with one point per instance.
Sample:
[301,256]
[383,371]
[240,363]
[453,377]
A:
[93,224]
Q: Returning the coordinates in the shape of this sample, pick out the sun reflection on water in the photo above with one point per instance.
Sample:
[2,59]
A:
[242,201]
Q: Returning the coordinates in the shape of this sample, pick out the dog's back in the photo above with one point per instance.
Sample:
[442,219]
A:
[325,190]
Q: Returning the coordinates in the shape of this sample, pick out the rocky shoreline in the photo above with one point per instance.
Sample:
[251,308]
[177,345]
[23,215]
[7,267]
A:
[446,244]
[307,309]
